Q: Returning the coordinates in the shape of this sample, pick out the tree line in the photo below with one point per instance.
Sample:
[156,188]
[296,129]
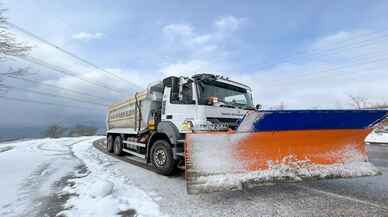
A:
[57,131]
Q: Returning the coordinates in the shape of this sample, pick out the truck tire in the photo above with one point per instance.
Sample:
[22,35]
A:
[109,144]
[162,157]
[118,146]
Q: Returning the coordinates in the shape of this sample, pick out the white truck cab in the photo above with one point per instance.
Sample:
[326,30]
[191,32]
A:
[204,103]
[152,125]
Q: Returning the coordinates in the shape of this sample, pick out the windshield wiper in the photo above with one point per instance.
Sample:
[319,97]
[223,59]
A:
[241,106]
[227,104]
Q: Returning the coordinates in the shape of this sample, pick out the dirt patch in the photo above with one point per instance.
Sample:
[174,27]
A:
[53,204]
[128,213]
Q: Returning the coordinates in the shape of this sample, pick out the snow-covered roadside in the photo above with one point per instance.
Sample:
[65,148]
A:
[29,170]
[374,137]
[105,191]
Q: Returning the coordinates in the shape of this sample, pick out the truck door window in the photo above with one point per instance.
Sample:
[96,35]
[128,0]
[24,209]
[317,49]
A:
[187,93]
[186,96]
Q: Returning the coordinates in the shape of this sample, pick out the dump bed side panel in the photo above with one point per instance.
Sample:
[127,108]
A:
[125,114]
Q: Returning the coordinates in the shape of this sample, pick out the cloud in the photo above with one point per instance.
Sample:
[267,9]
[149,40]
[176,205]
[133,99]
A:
[327,71]
[188,68]
[87,36]
[199,52]
[178,30]
[228,23]
[45,114]
[322,75]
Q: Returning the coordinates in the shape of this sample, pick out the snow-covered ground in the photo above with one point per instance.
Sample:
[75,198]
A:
[106,191]
[29,170]
[377,137]
[70,177]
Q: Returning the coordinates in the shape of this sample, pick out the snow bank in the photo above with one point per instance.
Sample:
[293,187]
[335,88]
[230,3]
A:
[104,191]
[374,137]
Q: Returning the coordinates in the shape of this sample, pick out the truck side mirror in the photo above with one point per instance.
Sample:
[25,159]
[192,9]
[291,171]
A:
[258,107]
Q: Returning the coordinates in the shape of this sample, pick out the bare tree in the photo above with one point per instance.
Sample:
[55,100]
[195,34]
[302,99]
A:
[382,105]
[9,47]
[55,131]
[359,102]
[81,130]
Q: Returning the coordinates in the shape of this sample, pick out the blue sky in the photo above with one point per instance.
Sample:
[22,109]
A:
[304,54]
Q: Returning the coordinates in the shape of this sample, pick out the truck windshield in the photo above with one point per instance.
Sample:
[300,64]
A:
[227,94]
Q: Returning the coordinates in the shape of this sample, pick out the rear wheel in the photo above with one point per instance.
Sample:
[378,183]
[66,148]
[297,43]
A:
[109,144]
[162,157]
[118,146]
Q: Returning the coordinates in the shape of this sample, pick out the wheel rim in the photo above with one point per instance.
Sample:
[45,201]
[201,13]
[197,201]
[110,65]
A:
[109,143]
[115,147]
[160,157]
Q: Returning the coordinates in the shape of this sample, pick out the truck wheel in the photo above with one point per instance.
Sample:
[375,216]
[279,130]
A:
[161,157]
[109,144]
[118,146]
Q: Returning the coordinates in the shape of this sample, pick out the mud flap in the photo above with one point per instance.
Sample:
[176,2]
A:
[237,161]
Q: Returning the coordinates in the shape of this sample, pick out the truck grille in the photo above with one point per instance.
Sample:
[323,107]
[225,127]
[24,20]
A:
[230,122]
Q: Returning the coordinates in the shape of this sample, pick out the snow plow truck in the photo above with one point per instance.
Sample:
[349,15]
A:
[208,125]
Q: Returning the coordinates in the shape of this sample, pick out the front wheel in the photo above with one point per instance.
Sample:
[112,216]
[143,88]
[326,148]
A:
[162,157]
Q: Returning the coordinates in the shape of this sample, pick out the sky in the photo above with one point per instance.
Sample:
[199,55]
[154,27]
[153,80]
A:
[304,54]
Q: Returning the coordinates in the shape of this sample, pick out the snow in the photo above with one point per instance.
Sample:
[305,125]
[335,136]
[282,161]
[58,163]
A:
[100,188]
[105,191]
[30,168]
[218,148]
[283,172]
[30,172]
[377,137]
[249,121]
[5,148]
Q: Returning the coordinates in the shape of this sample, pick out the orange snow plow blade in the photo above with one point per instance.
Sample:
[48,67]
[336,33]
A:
[244,159]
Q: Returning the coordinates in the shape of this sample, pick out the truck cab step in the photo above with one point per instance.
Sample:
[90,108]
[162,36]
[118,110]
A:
[181,154]
[134,153]
[180,141]
[135,143]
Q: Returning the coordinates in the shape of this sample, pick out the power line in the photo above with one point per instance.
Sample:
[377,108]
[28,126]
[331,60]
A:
[55,95]
[317,52]
[66,72]
[371,38]
[321,76]
[66,52]
[55,86]
[346,44]
[328,70]
[42,102]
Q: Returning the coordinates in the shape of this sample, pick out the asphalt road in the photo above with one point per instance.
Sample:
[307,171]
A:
[366,196]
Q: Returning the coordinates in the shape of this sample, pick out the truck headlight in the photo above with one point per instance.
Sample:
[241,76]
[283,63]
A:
[187,126]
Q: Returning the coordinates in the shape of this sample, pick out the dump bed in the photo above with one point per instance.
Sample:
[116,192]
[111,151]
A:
[134,113]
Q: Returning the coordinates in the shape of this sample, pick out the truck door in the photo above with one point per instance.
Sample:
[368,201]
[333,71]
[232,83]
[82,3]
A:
[178,103]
